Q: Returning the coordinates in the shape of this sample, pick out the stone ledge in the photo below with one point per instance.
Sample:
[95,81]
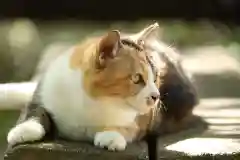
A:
[74,151]
[222,85]
[62,150]
[221,135]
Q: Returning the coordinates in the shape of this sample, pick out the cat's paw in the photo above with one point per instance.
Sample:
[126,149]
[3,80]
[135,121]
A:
[30,130]
[112,140]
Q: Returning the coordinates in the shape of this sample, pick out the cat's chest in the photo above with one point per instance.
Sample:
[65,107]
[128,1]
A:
[62,94]
[80,118]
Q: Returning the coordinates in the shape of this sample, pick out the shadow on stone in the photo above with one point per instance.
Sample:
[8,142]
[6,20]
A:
[223,85]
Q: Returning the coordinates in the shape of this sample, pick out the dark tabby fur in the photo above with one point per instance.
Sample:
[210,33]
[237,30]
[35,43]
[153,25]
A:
[178,98]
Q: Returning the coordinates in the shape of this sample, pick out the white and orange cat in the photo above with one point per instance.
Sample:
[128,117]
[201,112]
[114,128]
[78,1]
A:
[97,91]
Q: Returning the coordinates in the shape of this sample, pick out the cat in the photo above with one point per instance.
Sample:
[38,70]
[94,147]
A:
[174,110]
[106,90]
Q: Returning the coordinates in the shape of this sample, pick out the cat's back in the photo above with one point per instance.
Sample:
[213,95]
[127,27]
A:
[61,71]
[61,93]
[57,81]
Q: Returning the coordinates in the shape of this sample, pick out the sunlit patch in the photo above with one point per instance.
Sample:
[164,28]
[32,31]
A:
[206,60]
[198,146]
[224,106]
[222,134]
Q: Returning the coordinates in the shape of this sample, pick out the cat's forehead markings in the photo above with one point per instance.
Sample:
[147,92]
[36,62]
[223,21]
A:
[152,65]
[142,65]
[145,73]
[150,74]
[146,67]
[131,43]
[141,58]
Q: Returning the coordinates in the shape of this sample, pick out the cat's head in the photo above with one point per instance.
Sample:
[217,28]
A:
[122,70]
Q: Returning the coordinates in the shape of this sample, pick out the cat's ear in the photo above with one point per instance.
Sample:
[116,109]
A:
[109,46]
[147,33]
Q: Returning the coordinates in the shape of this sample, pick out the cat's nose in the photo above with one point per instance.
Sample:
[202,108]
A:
[155,96]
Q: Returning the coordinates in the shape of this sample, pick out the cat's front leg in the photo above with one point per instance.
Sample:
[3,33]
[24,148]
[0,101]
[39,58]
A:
[27,131]
[112,140]
[115,139]
[33,124]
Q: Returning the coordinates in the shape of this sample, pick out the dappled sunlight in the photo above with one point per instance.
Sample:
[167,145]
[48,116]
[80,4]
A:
[223,120]
[197,146]
[223,133]
[211,103]
[219,112]
[219,108]
[211,60]
[231,128]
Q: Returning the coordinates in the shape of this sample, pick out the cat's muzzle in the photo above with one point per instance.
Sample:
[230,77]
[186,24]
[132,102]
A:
[153,98]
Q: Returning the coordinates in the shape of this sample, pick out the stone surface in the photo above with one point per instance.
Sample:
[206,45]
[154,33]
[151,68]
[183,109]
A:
[75,151]
[215,70]
[222,134]
[221,139]
[222,85]
[61,150]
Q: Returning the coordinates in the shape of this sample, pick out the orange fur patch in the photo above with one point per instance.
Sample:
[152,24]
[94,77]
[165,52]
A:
[115,78]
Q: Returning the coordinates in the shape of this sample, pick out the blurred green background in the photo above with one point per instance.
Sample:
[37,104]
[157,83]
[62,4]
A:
[22,41]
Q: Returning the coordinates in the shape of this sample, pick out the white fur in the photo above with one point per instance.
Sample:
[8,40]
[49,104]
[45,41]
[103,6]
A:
[76,114]
[62,94]
[30,130]
[110,139]
[139,102]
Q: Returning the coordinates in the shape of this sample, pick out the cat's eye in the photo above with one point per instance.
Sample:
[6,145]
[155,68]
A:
[137,78]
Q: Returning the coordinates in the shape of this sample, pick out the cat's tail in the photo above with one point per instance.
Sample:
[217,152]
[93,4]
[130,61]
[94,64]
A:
[16,95]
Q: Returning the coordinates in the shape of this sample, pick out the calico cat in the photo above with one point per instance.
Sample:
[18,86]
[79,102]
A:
[173,112]
[106,90]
